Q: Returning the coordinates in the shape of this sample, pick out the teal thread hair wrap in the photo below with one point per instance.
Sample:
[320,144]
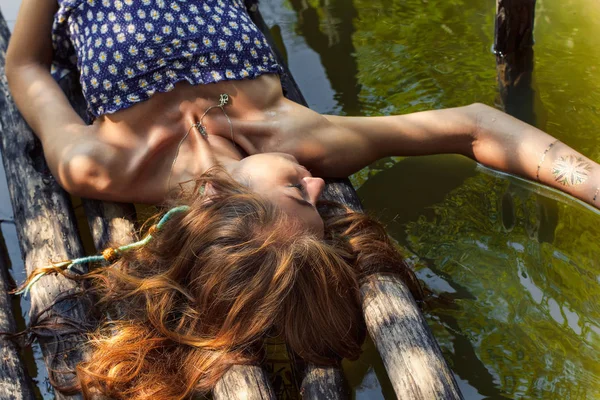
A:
[102,258]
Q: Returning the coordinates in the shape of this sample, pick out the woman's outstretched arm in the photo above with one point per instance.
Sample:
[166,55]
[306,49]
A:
[482,133]
[78,159]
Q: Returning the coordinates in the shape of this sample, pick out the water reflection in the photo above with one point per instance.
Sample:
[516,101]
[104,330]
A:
[328,27]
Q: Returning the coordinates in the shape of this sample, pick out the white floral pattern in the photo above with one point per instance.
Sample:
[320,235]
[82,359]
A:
[128,50]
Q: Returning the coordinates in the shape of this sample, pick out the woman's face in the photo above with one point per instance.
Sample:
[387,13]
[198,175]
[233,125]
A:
[279,178]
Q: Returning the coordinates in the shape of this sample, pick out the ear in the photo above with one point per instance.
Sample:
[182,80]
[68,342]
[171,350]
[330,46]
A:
[208,193]
[209,190]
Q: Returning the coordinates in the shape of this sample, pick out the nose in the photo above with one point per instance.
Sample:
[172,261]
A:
[314,187]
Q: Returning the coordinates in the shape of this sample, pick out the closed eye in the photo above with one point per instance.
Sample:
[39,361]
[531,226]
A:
[300,187]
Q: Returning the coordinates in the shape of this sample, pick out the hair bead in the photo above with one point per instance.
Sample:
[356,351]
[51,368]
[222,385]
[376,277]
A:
[110,255]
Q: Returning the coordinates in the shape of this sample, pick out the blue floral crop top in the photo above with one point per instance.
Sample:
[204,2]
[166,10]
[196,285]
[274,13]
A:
[127,50]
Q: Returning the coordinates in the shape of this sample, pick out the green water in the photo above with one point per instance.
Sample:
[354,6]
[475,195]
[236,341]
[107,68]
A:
[513,269]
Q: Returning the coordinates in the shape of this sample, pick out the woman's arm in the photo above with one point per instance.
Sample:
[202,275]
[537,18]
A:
[482,133]
[507,144]
[78,159]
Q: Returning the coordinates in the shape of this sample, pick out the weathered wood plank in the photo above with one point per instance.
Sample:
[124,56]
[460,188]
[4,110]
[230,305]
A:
[324,383]
[111,224]
[513,45]
[244,382]
[14,383]
[411,355]
[47,231]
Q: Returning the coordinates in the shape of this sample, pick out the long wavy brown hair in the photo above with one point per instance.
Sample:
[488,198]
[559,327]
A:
[217,280]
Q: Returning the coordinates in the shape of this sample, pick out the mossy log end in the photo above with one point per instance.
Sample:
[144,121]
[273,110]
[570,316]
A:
[411,355]
[47,231]
[14,383]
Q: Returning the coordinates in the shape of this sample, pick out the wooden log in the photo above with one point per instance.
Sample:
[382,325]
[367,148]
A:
[411,355]
[111,224]
[14,383]
[513,45]
[244,382]
[47,231]
[324,383]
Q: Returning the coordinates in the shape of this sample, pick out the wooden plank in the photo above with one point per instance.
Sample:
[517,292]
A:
[111,224]
[14,383]
[324,383]
[244,382]
[411,355]
[46,230]
[513,45]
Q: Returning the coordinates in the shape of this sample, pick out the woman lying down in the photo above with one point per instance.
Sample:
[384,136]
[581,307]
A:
[188,113]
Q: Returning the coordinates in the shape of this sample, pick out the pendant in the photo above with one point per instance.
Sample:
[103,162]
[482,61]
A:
[223,99]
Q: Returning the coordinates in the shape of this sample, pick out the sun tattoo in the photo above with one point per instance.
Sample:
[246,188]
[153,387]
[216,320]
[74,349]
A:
[571,170]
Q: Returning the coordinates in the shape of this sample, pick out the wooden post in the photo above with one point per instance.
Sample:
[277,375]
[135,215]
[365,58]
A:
[14,383]
[411,355]
[513,45]
[47,231]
